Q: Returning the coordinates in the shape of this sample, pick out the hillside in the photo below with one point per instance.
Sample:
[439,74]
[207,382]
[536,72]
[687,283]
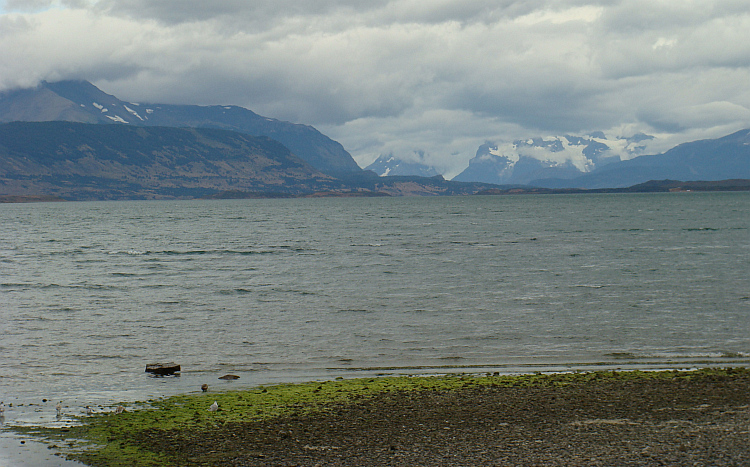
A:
[77,161]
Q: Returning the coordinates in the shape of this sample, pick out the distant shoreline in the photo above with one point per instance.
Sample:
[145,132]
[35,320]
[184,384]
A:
[653,186]
[29,199]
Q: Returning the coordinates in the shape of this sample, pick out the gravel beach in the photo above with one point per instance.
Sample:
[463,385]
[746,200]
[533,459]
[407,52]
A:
[640,421]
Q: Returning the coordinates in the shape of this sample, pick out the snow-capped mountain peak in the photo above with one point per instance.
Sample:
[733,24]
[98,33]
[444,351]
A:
[568,156]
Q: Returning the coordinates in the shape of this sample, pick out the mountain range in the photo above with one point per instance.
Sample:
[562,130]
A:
[594,161]
[71,140]
[85,161]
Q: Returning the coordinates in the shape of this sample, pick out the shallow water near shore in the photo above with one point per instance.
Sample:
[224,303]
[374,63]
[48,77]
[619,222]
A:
[304,289]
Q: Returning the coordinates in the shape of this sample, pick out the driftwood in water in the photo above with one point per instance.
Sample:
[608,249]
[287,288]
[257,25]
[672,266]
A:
[162,369]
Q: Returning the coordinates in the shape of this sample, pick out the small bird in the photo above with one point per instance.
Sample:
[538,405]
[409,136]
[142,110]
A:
[120,409]
[58,407]
[204,387]
[2,407]
[89,410]
[214,407]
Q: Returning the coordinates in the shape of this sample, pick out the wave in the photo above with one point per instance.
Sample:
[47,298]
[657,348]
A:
[23,287]
[718,355]
[238,290]
[219,252]
[16,285]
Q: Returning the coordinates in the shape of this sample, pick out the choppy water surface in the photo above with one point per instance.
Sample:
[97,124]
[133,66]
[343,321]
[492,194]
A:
[288,290]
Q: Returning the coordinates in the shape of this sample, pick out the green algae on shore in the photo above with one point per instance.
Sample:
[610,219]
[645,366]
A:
[111,439]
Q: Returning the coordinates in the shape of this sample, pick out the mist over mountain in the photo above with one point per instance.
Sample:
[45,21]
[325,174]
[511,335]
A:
[81,101]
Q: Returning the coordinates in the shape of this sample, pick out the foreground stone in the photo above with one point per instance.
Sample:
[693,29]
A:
[162,369]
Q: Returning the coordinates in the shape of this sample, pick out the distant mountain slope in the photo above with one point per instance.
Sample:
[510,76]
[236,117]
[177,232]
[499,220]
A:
[81,101]
[489,167]
[711,159]
[84,161]
[391,165]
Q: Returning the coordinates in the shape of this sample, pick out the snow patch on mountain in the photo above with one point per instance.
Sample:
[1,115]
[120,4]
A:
[117,119]
[133,112]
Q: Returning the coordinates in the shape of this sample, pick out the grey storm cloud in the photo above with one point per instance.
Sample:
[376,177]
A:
[398,77]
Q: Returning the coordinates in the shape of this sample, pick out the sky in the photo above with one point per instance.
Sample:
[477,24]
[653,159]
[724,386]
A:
[407,77]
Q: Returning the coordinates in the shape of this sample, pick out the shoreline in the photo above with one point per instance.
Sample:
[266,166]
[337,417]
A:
[406,420]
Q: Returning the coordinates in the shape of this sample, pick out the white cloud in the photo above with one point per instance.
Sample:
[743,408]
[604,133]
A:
[387,76]
[585,13]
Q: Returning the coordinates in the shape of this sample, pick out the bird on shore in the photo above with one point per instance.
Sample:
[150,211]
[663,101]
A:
[58,407]
[204,387]
[120,409]
[2,408]
[214,407]
[89,410]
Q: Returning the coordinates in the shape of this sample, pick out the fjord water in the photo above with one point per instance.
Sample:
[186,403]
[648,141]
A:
[294,289]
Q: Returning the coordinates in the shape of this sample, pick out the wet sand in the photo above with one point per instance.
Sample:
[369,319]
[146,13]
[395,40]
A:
[25,451]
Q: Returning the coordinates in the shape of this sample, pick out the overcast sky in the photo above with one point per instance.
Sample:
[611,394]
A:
[381,77]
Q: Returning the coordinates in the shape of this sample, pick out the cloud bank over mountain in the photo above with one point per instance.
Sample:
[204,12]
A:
[407,77]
